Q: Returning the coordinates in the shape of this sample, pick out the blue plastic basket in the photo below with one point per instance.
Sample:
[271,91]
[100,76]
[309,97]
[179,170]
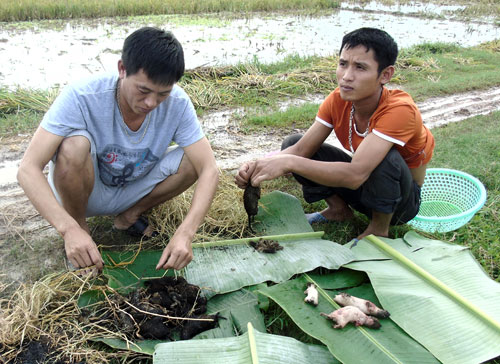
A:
[450,199]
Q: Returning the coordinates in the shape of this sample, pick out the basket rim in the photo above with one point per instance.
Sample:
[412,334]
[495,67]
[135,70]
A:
[465,214]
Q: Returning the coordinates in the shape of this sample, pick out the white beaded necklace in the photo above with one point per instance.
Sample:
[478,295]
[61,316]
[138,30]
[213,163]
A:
[124,126]
[351,119]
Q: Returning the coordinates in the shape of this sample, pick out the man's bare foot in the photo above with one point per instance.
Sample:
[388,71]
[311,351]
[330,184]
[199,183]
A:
[123,222]
[337,209]
[379,225]
[376,233]
[338,214]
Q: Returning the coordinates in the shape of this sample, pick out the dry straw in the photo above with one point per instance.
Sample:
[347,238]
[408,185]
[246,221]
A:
[226,217]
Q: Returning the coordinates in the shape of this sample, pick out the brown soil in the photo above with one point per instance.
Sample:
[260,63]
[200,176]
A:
[24,234]
[266,246]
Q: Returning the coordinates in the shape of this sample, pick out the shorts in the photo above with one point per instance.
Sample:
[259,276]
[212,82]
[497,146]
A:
[112,200]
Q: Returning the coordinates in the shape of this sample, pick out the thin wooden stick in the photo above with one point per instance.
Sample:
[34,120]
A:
[166,316]
[282,237]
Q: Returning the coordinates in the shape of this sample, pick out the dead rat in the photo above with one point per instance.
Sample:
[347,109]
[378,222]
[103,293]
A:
[312,294]
[344,315]
[367,307]
[251,198]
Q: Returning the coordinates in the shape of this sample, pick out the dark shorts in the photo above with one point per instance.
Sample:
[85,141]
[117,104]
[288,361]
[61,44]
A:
[389,189]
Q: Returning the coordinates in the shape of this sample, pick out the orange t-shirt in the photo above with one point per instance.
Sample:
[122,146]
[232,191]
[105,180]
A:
[396,119]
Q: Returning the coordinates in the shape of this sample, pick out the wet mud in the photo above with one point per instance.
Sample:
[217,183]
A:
[266,246]
[167,308]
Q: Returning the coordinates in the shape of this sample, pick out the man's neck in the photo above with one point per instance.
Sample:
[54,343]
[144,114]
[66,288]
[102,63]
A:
[365,108]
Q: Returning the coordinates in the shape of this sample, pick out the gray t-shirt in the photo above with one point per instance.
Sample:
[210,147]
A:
[123,155]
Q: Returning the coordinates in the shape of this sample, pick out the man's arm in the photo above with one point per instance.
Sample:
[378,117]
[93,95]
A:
[178,252]
[336,174]
[80,247]
[273,167]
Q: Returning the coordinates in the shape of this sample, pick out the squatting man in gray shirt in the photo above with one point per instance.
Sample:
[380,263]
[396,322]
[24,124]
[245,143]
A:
[107,140]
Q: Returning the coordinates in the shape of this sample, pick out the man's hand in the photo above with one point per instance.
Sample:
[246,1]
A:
[244,173]
[81,250]
[177,254]
[261,170]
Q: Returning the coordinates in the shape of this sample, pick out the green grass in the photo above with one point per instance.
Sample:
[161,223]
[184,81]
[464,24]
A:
[295,116]
[26,10]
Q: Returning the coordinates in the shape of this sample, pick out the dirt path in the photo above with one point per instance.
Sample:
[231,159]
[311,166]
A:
[20,224]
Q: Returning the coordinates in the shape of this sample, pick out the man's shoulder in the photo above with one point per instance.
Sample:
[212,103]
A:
[178,93]
[396,97]
[94,84]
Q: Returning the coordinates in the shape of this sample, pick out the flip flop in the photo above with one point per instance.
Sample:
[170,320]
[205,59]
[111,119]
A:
[138,228]
[316,218]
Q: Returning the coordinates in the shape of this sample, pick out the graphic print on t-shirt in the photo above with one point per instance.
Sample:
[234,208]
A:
[119,166]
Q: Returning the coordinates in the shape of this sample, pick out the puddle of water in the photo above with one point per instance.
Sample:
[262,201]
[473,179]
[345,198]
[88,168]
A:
[8,172]
[410,8]
[37,57]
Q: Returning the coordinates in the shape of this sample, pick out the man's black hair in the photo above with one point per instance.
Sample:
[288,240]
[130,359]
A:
[384,47]
[157,52]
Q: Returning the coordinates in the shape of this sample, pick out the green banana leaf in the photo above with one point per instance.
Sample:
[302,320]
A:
[251,348]
[280,213]
[450,330]
[351,344]
[228,268]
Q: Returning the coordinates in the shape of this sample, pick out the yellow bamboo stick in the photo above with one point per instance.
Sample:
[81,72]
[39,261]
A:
[407,263]
[253,344]
[282,237]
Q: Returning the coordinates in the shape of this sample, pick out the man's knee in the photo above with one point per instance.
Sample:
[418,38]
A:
[390,167]
[290,140]
[73,154]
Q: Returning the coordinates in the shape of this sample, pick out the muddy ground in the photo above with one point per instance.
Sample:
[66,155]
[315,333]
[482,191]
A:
[24,253]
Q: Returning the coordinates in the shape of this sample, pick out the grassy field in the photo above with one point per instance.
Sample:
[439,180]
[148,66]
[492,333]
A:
[424,71]
[28,10]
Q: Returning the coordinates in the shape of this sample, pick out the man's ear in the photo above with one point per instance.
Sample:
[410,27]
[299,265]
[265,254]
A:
[386,74]
[122,73]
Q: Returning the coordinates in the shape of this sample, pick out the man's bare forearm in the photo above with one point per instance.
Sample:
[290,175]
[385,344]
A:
[202,199]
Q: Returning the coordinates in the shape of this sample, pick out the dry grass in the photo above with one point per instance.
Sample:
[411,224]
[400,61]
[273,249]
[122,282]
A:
[225,219]
[47,312]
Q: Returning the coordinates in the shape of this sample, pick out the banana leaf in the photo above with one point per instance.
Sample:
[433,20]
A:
[351,344]
[226,268]
[457,318]
[251,348]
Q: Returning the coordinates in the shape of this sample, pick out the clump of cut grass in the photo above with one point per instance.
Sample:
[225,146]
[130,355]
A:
[258,84]
[12,102]
[23,10]
[47,312]
[493,45]
[226,217]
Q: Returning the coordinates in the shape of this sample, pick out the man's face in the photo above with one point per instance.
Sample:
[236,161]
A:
[141,94]
[357,74]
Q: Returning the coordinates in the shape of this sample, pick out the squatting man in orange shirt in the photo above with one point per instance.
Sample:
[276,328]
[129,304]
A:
[381,128]
[108,142]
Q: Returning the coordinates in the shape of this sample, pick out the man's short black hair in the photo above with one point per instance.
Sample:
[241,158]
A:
[157,52]
[384,47]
